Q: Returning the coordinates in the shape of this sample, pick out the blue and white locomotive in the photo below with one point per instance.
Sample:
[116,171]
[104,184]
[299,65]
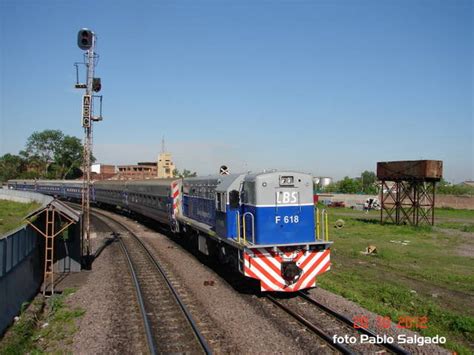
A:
[262,224]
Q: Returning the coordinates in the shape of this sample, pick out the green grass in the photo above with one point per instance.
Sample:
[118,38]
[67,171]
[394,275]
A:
[452,213]
[426,277]
[47,326]
[463,227]
[12,214]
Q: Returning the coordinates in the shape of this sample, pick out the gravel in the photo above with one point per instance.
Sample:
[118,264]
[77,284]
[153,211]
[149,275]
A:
[109,300]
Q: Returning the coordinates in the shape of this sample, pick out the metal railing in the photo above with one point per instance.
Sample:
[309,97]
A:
[245,229]
[238,226]
[242,236]
[322,225]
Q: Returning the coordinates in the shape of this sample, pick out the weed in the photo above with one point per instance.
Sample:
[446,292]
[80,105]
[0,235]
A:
[31,334]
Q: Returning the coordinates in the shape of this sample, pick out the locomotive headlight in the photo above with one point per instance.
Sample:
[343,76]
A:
[290,271]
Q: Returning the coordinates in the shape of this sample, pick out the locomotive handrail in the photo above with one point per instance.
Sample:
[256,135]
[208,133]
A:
[322,225]
[323,230]
[245,229]
[326,225]
[317,224]
[238,226]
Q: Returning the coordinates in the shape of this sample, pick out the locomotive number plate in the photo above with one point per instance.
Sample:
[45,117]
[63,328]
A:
[287,219]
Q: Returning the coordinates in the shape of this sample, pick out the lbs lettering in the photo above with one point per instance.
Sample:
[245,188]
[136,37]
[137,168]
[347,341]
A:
[287,219]
[287,197]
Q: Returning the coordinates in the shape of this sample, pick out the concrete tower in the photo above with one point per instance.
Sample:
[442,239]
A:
[165,163]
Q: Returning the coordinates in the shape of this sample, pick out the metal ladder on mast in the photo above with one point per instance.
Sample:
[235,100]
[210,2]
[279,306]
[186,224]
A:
[49,250]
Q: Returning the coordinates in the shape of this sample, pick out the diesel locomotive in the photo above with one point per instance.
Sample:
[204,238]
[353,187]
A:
[261,224]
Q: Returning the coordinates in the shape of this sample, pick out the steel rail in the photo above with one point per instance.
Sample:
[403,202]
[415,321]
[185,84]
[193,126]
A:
[177,298]
[392,347]
[342,348]
[148,331]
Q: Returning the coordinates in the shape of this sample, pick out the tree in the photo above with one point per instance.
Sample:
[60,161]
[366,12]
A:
[11,166]
[42,146]
[186,173]
[332,187]
[446,188]
[349,186]
[368,182]
[49,154]
[68,157]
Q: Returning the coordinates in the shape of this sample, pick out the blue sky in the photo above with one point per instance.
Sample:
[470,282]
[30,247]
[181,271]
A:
[327,87]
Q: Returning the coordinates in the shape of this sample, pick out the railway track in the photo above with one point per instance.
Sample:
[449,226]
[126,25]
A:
[391,347]
[336,322]
[168,324]
[170,327]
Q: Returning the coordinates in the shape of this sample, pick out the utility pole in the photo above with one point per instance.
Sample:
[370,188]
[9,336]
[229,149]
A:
[86,40]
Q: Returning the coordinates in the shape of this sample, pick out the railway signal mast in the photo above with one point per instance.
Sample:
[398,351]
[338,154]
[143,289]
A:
[86,40]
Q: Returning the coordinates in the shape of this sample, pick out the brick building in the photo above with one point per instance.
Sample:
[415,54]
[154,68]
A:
[103,171]
[144,170]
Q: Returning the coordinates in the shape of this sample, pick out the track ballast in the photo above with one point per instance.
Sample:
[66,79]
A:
[168,324]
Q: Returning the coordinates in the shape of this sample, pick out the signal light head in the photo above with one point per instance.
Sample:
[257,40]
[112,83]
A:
[85,39]
[96,84]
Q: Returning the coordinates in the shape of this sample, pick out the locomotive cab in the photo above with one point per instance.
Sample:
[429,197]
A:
[227,206]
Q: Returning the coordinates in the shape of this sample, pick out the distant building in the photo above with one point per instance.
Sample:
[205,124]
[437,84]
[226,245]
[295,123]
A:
[149,170]
[468,183]
[139,171]
[103,171]
[165,166]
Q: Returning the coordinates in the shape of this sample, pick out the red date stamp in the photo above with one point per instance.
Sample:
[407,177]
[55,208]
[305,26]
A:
[408,322]
[360,322]
[385,322]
